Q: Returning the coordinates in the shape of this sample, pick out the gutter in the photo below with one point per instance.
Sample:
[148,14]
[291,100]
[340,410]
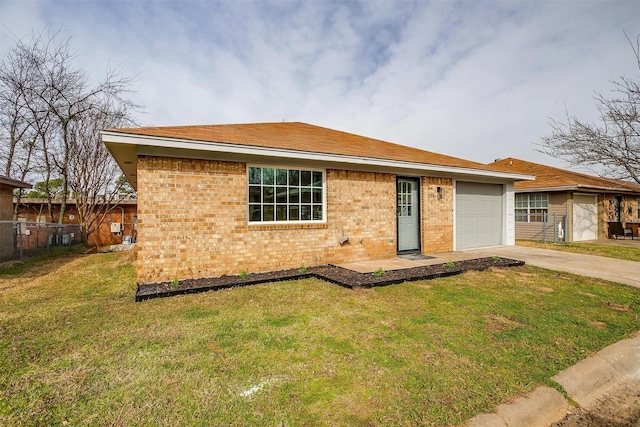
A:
[591,188]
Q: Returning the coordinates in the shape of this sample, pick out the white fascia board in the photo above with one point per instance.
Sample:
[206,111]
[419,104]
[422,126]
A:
[585,188]
[184,144]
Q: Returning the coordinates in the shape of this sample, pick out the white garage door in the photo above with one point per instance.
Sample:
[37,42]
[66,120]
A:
[478,215]
[585,218]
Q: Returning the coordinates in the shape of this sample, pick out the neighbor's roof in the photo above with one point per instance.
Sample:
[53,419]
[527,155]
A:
[549,178]
[13,183]
[295,140]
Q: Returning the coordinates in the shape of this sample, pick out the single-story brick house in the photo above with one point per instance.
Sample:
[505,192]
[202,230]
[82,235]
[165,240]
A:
[587,203]
[220,199]
[7,185]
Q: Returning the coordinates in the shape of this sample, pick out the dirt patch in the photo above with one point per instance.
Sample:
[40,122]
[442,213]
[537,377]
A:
[619,307]
[498,323]
[599,325]
[330,273]
[587,294]
[543,289]
[620,407]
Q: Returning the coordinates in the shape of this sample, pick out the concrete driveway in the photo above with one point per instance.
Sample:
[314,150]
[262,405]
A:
[615,270]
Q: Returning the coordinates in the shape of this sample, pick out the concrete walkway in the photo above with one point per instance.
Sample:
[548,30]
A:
[615,270]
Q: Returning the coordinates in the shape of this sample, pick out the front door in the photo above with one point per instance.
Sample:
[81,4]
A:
[408,214]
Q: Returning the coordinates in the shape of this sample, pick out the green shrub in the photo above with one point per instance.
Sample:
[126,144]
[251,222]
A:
[379,272]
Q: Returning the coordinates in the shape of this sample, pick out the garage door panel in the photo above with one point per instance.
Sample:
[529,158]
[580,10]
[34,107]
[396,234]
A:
[478,215]
[585,218]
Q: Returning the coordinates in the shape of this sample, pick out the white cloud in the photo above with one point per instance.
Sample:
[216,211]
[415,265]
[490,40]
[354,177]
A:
[477,80]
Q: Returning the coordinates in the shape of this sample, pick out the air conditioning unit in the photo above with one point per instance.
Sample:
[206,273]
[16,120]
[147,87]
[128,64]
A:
[115,227]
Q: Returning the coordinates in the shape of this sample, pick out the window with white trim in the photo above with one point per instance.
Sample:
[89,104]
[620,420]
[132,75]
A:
[285,195]
[531,207]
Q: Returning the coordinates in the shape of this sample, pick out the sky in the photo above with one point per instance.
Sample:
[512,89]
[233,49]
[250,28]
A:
[478,80]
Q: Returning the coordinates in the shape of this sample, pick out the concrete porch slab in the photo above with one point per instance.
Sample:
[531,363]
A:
[399,263]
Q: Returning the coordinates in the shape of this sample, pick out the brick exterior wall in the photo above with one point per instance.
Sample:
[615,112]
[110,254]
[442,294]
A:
[193,222]
[437,215]
[6,214]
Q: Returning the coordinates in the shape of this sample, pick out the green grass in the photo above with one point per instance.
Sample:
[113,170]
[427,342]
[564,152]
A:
[620,252]
[75,348]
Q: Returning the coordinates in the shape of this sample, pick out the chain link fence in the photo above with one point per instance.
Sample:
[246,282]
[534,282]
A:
[554,228]
[23,239]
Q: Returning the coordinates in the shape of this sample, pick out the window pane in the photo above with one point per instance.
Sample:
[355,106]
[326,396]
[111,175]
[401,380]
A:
[254,175]
[521,215]
[317,179]
[281,176]
[267,194]
[294,177]
[317,212]
[305,178]
[267,212]
[305,212]
[281,213]
[294,213]
[536,215]
[305,195]
[255,213]
[294,195]
[317,195]
[267,176]
[254,194]
[281,195]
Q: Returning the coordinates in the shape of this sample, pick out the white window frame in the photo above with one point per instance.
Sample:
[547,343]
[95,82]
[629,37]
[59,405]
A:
[534,202]
[288,204]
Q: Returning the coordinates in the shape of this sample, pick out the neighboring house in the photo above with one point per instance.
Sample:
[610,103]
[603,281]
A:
[7,185]
[118,225]
[220,199]
[584,203]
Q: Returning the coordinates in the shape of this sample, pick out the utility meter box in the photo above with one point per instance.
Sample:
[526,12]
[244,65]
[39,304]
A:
[115,227]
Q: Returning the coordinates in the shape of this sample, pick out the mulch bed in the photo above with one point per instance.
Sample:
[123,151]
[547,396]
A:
[330,273]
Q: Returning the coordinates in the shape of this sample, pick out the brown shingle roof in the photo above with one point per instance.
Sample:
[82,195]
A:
[548,177]
[305,138]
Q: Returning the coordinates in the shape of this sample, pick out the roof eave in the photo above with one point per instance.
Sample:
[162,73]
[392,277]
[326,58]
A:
[14,183]
[576,187]
[112,139]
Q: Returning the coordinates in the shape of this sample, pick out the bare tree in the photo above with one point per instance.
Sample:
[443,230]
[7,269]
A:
[92,172]
[611,147]
[47,105]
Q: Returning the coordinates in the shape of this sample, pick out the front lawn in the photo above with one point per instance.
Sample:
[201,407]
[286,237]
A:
[76,349]
[620,252]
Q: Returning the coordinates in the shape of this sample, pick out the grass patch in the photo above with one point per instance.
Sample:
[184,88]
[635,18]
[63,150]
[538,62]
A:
[620,252]
[75,348]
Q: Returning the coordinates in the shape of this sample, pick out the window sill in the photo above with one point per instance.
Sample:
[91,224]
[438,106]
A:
[276,226]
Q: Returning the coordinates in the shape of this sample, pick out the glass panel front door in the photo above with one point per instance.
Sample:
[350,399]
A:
[408,214]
